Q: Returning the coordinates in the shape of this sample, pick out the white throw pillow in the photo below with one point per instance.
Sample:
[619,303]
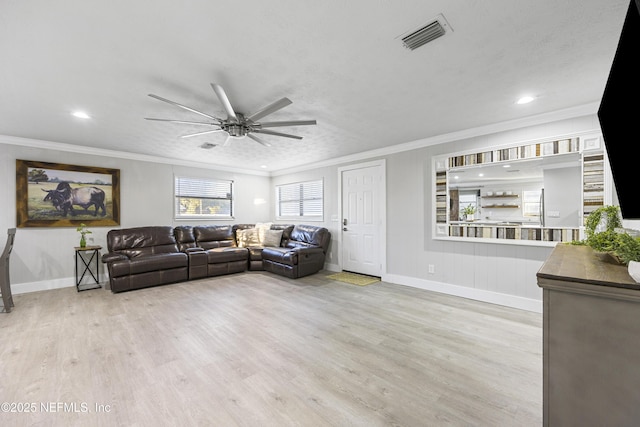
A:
[262,228]
[272,238]
[247,238]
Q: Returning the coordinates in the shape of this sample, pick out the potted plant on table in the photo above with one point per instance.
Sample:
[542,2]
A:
[469,212]
[83,230]
[605,234]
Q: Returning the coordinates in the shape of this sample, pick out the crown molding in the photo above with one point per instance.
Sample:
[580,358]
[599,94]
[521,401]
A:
[81,149]
[569,113]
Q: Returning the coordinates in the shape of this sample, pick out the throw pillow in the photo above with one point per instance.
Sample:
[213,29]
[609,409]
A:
[247,238]
[272,238]
[262,228]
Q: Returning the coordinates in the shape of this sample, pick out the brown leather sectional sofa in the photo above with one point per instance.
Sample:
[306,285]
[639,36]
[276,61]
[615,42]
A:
[140,257]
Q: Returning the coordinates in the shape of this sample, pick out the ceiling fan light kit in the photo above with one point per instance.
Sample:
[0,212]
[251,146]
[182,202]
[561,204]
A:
[237,125]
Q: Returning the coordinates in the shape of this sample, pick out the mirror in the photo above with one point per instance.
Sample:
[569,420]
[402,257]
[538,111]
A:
[535,192]
[543,191]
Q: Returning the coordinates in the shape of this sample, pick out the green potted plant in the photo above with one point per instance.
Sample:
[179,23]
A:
[83,230]
[605,234]
[469,212]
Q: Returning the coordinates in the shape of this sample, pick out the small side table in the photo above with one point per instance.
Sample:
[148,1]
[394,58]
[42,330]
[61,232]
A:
[88,257]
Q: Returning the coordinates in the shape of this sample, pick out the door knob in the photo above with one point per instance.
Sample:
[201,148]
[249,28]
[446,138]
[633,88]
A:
[344,228]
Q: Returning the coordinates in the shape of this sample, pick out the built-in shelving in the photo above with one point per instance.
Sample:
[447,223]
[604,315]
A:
[491,204]
[529,151]
[515,233]
[592,183]
[441,197]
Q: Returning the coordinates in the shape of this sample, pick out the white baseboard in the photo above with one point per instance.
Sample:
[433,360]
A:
[332,267]
[45,285]
[429,285]
[512,301]
[23,288]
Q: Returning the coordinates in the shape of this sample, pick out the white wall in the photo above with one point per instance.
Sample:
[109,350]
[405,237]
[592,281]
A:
[503,274]
[493,272]
[43,258]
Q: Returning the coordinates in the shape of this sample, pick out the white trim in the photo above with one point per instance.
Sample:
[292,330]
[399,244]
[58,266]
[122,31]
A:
[382,163]
[512,301]
[568,113]
[332,267]
[80,149]
[45,285]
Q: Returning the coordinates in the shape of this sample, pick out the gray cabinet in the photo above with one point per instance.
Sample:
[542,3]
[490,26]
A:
[591,340]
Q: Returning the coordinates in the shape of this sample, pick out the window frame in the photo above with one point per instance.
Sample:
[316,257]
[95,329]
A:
[214,183]
[301,200]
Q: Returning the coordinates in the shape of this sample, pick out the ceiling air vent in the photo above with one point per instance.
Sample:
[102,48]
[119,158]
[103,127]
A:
[437,28]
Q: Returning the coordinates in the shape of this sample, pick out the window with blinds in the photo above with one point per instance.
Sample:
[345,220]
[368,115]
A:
[300,200]
[201,198]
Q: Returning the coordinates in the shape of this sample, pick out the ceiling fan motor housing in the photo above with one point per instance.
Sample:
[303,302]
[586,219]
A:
[239,129]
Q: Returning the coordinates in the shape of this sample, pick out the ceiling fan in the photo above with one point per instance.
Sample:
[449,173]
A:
[238,125]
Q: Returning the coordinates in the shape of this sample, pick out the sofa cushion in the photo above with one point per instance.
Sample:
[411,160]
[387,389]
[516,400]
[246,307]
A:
[280,255]
[262,228]
[214,236]
[221,255]
[147,263]
[142,241]
[184,237]
[247,238]
[272,238]
[255,253]
[305,236]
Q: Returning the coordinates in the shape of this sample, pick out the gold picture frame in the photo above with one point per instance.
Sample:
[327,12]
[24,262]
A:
[62,195]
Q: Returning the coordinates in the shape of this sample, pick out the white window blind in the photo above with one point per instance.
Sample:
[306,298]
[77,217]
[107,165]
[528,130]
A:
[203,198]
[300,200]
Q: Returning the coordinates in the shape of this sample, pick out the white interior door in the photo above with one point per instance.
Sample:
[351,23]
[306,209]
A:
[362,219]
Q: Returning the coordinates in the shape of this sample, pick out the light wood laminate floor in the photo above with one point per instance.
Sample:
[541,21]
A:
[255,349]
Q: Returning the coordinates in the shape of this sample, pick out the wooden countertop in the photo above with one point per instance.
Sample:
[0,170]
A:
[581,264]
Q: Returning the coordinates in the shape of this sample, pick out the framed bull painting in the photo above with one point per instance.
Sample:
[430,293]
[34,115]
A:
[59,195]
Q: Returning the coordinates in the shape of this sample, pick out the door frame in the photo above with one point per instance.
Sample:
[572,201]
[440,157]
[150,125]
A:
[382,190]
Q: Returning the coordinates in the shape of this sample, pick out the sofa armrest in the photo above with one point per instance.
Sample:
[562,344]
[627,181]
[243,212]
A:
[112,256]
[193,250]
[308,251]
[314,256]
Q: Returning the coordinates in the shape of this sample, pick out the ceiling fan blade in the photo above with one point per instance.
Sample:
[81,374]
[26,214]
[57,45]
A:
[270,132]
[183,106]
[183,121]
[224,100]
[259,140]
[271,108]
[201,133]
[287,123]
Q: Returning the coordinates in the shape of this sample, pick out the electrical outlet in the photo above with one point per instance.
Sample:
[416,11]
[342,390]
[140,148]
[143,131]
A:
[432,269]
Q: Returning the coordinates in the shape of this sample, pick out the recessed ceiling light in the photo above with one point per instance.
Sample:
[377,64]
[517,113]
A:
[263,166]
[506,166]
[80,115]
[525,100]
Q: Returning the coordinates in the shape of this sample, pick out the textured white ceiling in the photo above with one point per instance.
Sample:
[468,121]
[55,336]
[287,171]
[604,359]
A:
[340,62]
